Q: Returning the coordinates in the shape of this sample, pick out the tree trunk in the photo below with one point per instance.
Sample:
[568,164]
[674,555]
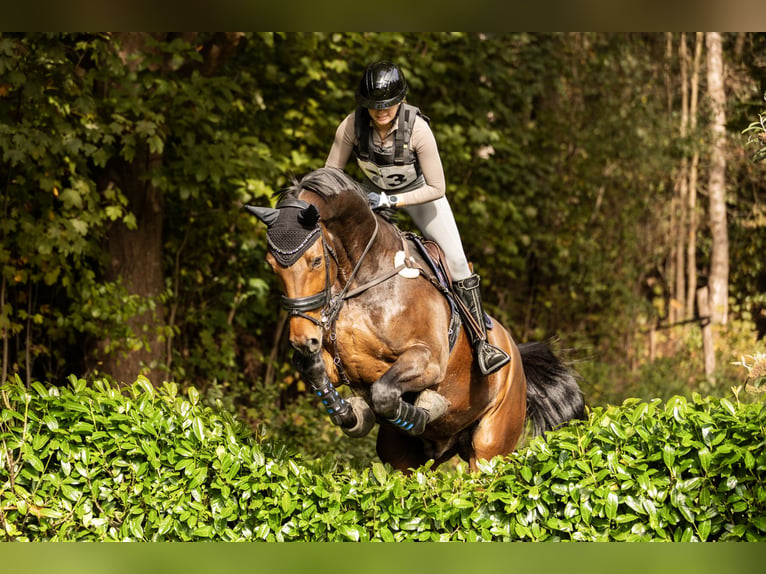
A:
[719,260]
[670,263]
[708,347]
[136,260]
[678,304]
[136,254]
[691,244]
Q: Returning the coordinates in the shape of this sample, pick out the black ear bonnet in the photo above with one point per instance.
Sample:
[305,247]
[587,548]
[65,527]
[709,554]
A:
[293,226]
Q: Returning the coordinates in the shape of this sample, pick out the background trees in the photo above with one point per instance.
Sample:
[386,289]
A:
[719,257]
[581,167]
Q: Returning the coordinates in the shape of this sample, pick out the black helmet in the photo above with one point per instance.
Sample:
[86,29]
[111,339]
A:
[382,86]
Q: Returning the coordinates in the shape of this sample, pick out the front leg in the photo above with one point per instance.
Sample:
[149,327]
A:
[353,416]
[413,371]
[312,368]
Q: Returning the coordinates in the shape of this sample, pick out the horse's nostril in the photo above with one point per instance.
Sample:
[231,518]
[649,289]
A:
[309,346]
[313,345]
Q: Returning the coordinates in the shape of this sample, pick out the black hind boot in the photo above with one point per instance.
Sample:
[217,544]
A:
[489,357]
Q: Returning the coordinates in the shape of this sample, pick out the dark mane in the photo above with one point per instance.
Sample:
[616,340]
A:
[327,182]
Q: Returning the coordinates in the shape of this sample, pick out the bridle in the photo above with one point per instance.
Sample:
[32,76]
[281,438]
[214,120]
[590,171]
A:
[299,306]
[330,305]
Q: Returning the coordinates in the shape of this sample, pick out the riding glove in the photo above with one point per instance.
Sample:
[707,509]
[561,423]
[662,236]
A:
[380,200]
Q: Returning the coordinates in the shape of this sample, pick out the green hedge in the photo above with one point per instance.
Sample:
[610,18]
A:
[98,463]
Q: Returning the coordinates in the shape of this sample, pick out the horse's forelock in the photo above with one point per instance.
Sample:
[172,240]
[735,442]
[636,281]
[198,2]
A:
[290,192]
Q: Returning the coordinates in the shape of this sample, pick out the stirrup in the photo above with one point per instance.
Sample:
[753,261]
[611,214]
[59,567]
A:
[490,358]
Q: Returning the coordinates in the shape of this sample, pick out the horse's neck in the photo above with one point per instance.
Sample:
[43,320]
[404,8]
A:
[354,236]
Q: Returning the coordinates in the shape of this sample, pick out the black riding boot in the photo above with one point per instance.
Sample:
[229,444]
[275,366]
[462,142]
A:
[489,357]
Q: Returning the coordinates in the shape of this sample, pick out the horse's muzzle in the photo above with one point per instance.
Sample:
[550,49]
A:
[305,335]
[306,345]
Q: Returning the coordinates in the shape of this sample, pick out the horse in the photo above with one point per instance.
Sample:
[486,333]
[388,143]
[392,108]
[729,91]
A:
[367,310]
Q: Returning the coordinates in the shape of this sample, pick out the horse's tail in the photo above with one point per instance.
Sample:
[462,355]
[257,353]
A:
[553,394]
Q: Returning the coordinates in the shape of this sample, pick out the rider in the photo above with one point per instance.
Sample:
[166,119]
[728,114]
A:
[396,150]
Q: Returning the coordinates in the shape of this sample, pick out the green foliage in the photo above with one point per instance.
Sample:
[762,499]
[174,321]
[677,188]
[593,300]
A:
[93,463]
[52,216]
[284,413]
[757,136]
[90,462]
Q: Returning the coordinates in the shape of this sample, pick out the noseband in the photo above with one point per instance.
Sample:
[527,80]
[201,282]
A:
[298,306]
[330,306]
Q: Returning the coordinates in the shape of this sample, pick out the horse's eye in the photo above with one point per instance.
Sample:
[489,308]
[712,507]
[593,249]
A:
[316,263]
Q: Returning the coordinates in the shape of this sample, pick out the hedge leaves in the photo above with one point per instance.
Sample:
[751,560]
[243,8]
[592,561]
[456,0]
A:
[94,462]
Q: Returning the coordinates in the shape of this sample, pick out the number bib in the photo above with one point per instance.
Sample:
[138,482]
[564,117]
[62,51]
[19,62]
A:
[389,177]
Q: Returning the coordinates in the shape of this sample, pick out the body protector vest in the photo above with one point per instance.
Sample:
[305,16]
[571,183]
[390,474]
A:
[393,168]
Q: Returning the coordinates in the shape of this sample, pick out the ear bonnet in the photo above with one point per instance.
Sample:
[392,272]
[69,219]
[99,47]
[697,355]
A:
[293,226]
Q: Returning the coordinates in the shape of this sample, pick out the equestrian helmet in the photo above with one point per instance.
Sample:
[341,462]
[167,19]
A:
[382,86]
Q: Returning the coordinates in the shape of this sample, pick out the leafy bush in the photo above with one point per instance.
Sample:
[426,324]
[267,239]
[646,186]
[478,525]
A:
[94,463]
[285,413]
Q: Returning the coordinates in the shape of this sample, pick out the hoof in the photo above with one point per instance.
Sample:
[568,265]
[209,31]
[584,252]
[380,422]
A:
[365,418]
[432,402]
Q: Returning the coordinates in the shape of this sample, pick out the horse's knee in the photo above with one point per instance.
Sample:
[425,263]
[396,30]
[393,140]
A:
[385,399]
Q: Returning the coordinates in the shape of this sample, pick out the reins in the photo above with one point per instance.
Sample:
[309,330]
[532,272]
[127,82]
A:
[333,306]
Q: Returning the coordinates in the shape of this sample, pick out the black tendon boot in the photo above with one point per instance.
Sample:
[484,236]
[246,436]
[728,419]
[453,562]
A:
[413,419]
[489,357]
[410,419]
[311,367]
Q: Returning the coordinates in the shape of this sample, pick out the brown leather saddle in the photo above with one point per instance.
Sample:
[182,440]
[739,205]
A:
[439,276]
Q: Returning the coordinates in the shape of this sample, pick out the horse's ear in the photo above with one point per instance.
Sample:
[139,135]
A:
[308,217]
[268,215]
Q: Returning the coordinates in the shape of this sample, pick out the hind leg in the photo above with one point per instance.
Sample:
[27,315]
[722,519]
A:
[499,430]
[403,452]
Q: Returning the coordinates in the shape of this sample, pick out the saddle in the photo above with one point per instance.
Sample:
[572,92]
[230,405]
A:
[439,276]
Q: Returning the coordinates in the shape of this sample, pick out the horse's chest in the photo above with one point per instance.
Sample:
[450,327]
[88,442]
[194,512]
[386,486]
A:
[358,347]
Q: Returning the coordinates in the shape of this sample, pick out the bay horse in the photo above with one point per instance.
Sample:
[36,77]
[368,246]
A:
[366,310]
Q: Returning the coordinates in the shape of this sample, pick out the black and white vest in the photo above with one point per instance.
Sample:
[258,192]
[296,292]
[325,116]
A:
[395,167]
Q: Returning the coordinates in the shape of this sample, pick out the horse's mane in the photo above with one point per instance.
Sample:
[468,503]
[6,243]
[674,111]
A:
[327,182]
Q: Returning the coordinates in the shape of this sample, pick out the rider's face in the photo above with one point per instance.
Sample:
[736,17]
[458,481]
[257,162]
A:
[383,118]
